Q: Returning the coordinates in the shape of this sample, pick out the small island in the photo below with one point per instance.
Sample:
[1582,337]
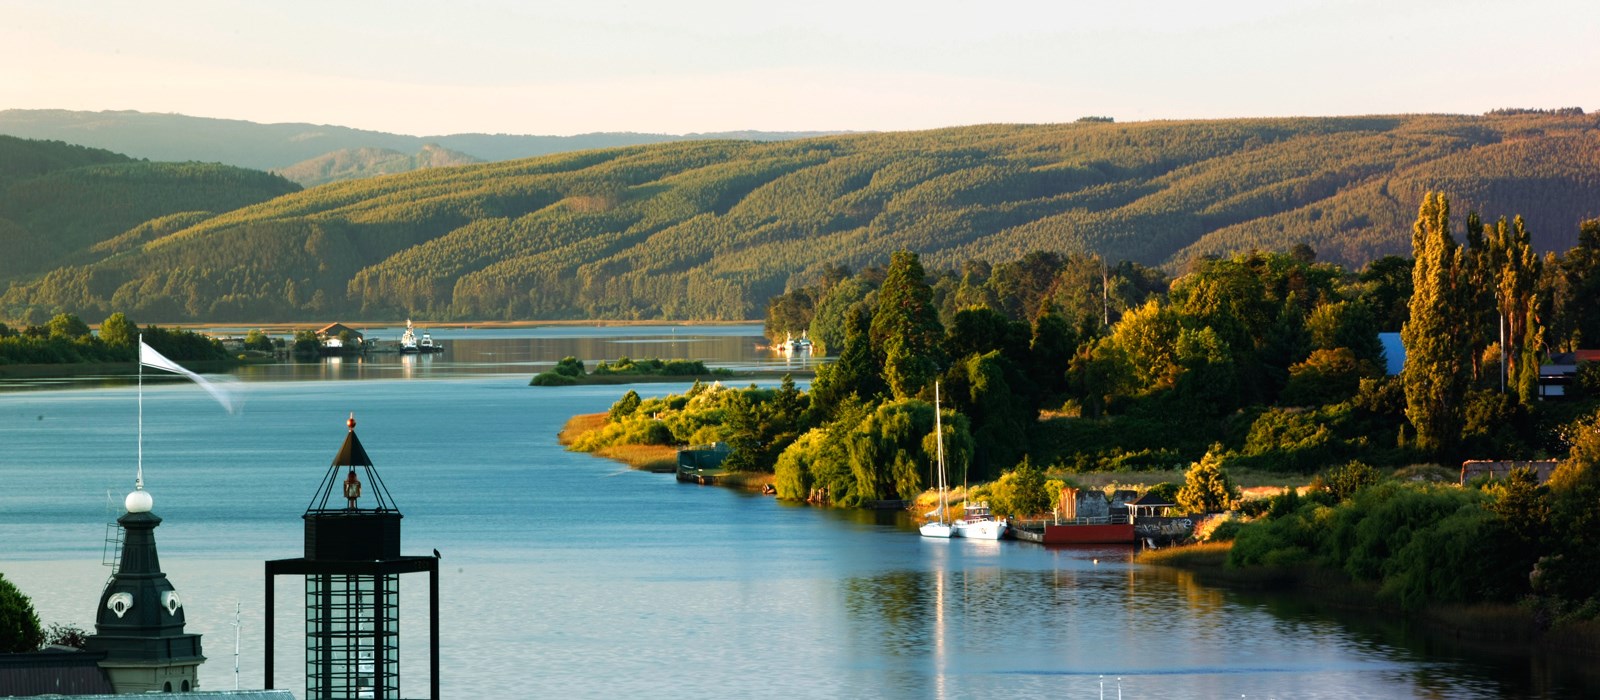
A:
[625,370]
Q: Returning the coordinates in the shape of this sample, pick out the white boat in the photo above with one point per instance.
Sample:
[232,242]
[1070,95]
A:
[408,339]
[939,528]
[979,523]
[409,343]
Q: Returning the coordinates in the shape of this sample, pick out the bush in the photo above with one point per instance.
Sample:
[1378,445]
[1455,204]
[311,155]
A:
[1020,492]
[552,379]
[569,366]
[624,407]
[19,625]
[1343,482]
[1206,486]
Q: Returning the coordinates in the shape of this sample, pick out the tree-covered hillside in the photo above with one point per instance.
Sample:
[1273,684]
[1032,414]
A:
[356,163]
[712,229]
[64,204]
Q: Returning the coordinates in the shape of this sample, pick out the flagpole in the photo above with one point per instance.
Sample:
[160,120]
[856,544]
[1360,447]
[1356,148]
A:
[138,480]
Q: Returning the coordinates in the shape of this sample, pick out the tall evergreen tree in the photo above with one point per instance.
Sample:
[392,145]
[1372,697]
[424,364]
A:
[905,328]
[1580,273]
[1438,357]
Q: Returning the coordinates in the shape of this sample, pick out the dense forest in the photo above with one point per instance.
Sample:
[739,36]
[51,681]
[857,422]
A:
[713,229]
[63,204]
[1050,367]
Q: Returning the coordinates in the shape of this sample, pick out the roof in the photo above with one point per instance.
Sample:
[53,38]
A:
[351,453]
[1151,498]
[336,329]
[1574,357]
[65,672]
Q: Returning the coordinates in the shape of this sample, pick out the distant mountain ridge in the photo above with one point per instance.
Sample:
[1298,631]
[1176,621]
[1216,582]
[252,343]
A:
[179,138]
[713,229]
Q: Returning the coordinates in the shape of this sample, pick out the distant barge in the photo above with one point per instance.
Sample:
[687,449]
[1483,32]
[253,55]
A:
[1098,530]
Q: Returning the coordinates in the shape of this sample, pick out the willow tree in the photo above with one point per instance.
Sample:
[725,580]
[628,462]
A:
[1438,353]
[905,327]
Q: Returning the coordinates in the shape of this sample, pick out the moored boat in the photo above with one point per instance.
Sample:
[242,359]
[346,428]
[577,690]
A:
[979,523]
[940,528]
[410,343]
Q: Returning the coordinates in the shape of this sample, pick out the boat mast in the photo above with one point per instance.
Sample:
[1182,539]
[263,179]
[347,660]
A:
[938,435]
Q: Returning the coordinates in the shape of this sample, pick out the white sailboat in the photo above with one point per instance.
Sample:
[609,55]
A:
[941,527]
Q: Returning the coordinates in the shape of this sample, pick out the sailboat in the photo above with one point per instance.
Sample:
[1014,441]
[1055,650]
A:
[941,527]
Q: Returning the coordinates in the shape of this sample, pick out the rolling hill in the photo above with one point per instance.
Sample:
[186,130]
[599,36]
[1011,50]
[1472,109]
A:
[63,204]
[711,229]
[178,137]
[356,163]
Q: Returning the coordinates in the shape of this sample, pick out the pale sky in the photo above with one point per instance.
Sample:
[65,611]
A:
[534,67]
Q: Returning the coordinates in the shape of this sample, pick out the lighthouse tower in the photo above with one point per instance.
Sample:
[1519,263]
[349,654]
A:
[352,567]
[139,624]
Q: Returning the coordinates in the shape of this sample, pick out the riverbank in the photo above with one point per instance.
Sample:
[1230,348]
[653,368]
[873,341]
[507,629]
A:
[118,370]
[650,458]
[1493,628]
[614,379]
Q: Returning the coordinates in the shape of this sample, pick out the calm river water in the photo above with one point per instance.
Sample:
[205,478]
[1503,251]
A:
[569,576]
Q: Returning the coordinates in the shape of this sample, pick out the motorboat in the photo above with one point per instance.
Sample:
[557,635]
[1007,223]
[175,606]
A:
[978,523]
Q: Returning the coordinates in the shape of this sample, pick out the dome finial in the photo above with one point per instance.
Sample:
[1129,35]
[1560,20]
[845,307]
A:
[352,422]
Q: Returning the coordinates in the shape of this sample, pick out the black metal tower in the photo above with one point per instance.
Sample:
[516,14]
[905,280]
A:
[352,567]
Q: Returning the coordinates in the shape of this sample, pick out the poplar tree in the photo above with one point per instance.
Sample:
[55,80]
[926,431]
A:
[905,328]
[1518,277]
[1438,354]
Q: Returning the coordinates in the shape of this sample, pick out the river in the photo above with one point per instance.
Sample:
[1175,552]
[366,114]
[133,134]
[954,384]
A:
[570,576]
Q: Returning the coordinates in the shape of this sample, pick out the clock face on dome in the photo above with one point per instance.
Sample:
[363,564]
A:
[120,603]
[170,601]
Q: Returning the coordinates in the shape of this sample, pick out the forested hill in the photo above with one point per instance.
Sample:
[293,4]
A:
[712,229]
[63,204]
[178,137]
[354,163]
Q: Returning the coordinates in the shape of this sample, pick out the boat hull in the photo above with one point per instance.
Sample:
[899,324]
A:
[939,530]
[981,530]
[1116,533]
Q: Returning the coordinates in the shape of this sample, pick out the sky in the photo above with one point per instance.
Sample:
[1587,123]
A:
[684,66]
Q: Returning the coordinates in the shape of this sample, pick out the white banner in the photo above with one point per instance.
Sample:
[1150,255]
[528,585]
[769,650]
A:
[150,358]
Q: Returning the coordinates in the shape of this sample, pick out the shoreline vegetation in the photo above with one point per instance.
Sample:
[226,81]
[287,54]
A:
[1490,626]
[1050,370]
[658,459]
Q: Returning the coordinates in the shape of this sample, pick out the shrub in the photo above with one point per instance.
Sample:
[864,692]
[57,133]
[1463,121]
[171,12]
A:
[1206,486]
[1343,482]
[552,379]
[1020,492]
[19,625]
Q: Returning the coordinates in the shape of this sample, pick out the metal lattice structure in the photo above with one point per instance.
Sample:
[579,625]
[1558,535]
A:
[353,636]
